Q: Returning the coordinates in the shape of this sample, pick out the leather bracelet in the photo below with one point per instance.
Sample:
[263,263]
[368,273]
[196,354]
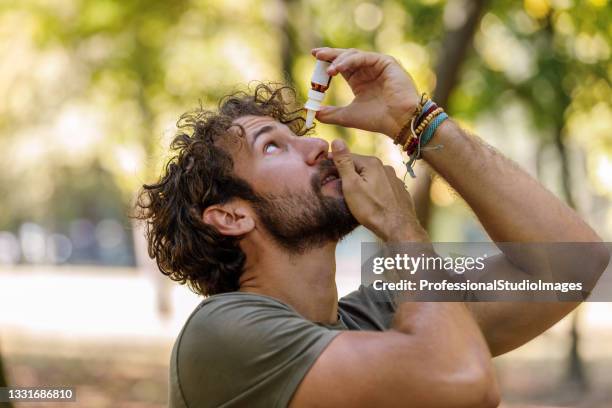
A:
[401,137]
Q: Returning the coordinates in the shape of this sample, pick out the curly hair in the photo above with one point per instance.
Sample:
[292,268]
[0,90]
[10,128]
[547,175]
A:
[200,174]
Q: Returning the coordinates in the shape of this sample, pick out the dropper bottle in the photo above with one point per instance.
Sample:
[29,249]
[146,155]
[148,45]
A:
[318,85]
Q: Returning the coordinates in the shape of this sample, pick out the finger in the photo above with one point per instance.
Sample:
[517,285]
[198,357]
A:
[396,183]
[339,59]
[359,161]
[327,53]
[343,160]
[355,61]
[335,115]
[315,50]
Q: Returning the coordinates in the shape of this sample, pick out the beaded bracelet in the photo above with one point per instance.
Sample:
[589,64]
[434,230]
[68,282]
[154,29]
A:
[402,138]
[413,141]
[427,129]
[422,125]
[423,139]
[427,108]
[426,121]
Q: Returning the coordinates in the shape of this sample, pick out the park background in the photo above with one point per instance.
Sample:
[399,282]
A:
[90,91]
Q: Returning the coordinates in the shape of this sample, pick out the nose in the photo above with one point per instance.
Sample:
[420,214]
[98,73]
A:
[314,149]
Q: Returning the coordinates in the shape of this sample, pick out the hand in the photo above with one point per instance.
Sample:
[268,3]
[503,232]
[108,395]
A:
[376,197]
[385,94]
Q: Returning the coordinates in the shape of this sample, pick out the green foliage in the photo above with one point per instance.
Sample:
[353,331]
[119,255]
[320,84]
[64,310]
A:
[95,86]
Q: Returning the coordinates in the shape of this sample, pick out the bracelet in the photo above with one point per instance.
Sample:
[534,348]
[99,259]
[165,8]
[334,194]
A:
[401,137]
[426,121]
[431,129]
[411,144]
[429,107]
[422,125]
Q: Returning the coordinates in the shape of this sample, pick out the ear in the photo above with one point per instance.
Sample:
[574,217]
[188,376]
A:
[232,218]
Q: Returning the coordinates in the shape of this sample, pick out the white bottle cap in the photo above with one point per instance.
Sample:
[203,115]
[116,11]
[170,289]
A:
[314,100]
[319,76]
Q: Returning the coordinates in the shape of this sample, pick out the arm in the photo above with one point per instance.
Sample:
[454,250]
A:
[434,356]
[512,206]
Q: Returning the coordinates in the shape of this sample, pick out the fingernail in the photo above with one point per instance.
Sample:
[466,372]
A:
[338,145]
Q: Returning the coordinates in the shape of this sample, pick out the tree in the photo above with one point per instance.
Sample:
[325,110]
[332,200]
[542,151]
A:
[456,45]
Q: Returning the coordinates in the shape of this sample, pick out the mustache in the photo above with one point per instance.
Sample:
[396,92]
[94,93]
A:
[325,165]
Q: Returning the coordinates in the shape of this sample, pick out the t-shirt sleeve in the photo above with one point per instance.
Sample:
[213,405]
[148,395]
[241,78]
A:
[246,351]
[368,309]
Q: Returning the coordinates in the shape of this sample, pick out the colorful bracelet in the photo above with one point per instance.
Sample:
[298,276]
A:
[402,138]
[419,130]
[427,108]
[427,120]
[422,135]
[411,144]
[431,129]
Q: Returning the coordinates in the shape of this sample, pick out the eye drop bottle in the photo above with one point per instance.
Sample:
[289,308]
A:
[318,85]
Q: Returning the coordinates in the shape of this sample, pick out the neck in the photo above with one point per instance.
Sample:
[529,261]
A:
[306,282]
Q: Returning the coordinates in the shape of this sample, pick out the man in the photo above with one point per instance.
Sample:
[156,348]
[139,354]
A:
[249,213]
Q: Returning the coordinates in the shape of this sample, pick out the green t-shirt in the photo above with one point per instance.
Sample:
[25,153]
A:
[242,349]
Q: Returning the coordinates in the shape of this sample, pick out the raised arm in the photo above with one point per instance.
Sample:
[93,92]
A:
[434,355]
[512,206]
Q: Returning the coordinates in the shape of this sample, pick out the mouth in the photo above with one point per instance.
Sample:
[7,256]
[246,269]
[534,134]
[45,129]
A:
[330,175]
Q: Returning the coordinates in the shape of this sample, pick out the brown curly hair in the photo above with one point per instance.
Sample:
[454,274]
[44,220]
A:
[198,175]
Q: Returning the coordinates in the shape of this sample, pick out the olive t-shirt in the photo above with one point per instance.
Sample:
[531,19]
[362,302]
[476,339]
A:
[242,349]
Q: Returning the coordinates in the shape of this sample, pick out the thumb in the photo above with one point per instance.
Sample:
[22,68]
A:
[343,160]
[334,115]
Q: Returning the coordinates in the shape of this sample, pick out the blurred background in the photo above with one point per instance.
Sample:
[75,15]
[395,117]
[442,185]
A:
[90,92]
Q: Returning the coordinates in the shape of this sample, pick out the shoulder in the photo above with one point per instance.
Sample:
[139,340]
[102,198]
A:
[261,344]
[233,311]
[243,322]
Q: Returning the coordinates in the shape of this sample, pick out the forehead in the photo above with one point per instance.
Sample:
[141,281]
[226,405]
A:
[242,151]
[251,123]
[240,142]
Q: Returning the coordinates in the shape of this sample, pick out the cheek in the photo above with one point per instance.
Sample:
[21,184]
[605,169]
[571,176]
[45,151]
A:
[292,177]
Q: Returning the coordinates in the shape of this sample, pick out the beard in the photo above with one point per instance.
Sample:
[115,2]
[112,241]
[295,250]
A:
[300,221]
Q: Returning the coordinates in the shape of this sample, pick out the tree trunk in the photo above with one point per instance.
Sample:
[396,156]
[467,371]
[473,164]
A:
[286,39]
[566,182]
[576,373]
[454,49]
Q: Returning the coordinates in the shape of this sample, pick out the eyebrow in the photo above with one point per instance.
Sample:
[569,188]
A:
[259,132]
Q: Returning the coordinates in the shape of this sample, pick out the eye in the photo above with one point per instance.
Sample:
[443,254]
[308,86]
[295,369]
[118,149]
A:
[270,147]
